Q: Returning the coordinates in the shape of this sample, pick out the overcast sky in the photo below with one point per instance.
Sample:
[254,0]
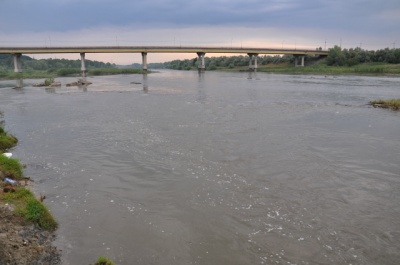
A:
[247,23]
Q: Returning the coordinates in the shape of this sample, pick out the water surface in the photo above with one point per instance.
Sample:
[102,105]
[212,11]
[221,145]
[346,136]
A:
[221,168]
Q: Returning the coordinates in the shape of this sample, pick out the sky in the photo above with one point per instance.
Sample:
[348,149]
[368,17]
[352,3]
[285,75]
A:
[369,24]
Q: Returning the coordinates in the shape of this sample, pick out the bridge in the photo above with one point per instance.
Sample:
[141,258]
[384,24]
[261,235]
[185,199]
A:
[299,54]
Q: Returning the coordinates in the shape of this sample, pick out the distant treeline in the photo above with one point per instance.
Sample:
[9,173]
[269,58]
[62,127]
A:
[28,63]
[336,57]
[212,63]
[350,57]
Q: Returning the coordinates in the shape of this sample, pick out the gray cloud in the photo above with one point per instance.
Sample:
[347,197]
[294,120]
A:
[310,23]
[63,15]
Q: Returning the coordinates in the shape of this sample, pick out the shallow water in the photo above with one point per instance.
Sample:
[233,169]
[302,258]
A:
[221,168]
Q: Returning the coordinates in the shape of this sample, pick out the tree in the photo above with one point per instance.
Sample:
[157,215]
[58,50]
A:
[336,57]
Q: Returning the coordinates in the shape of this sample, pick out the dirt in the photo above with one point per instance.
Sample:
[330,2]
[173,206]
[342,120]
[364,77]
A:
[22,243]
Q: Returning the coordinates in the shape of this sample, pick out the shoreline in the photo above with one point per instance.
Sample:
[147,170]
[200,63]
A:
[27,228]
[24,243]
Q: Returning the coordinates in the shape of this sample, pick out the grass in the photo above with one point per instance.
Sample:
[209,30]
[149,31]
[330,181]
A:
[114,71]
[393,104]
[11,167]
[104,261]
[6,141]
[321,68]
[29,207]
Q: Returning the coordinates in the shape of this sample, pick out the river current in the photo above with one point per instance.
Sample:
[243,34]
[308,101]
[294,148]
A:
[220,168]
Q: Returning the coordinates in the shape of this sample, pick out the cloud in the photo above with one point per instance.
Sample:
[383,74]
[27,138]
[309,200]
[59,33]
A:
[203,22]
[64,15]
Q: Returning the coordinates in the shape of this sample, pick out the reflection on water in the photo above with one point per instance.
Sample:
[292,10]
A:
[19,83]
[145,83]
[215,168]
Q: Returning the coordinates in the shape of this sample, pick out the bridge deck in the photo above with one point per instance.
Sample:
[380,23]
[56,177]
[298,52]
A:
[154,49]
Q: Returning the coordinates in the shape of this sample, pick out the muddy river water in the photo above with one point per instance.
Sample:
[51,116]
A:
[220,168]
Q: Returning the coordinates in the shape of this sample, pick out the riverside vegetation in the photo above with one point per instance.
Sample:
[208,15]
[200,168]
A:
[50,68]
[338,61]
[393,104]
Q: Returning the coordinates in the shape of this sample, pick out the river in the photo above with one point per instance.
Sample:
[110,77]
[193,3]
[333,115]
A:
[219,168]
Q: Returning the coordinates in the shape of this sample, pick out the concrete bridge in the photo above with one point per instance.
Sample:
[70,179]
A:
[144,50]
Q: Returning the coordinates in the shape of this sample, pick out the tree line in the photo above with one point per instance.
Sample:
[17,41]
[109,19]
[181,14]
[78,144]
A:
[7,64]
[336,57]
[350,57]
[212,63]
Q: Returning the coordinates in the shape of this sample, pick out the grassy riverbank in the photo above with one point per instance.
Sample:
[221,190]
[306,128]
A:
[33,74]
[323,69]
[26,224]
[15,193]
[319,68]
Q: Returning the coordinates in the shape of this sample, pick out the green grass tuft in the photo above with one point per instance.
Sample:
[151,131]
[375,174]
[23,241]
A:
[11,167]
[104,261]
[6,141]
[32,209]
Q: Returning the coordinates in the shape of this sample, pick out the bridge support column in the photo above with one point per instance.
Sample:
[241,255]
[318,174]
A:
[253,62]
[17,62]
[83,67]
[144,61]
[201,63]
[18,68]
[296,60]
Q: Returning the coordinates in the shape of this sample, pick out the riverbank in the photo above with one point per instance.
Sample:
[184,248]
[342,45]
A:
[52,73]
[23,243]
[26,226]
[321,68]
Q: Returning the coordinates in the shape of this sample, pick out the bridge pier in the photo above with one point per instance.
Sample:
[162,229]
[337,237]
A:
[17,62]
[201,63]
[296,60]
[18,68]
[253,62]
[144,61]
[83,67]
